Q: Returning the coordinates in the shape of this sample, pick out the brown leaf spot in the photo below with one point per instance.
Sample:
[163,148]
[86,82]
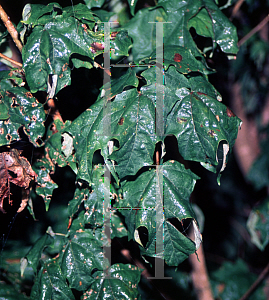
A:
[28,95]
[11,95]
[64,67]
[177,57]
[114,34]
[211,133]
[14,102]
[97,46]
[84,27]
[181,120]
[121,121]
[229,112]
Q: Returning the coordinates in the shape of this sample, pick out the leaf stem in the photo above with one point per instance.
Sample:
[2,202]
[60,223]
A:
[14,62]
[10,27]
[253,31]
[236,8]
[256,283]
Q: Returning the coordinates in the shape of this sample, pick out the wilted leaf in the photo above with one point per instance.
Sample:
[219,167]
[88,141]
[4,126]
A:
[16,169]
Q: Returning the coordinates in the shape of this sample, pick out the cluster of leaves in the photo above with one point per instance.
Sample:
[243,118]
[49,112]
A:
[113,146]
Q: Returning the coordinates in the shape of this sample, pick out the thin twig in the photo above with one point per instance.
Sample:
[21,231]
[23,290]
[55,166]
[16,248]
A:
[236,8]
[200,279]
[253,31]
[14,62]
[10,27]
[256,283]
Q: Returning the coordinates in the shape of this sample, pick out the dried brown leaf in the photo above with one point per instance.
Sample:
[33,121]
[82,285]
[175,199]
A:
[16,169]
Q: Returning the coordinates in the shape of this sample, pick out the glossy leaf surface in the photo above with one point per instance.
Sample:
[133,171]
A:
[50,284]
[81,255]
[122,284]
[50,46]
[141,198]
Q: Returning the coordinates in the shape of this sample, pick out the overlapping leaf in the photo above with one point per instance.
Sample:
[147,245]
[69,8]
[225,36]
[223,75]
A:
[194,114]
[20,109]
[121,283]
[132,123]
[178,14]
[140,201]
[116,86]
[142,30]
[38,14]
[51,284]
[49,47]
[48,50]
[87,132]
[82,254]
